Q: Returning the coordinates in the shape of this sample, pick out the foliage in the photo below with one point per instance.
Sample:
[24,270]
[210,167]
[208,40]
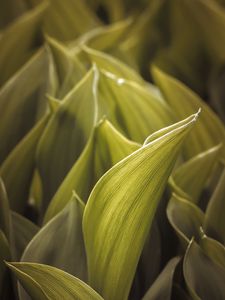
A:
[112,156]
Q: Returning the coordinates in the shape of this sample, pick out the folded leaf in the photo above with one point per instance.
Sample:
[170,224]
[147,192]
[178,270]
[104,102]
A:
[214,249]
[16,171]
[120,210]
[132,108]
[24,32]
[189,179]
[112,65]
[69,69]
[185,217]
[214,224]
[22,100]
[43,282]
[66,134]
[204,278]
[209,130]
[105,147]
[63,247]
[162,287]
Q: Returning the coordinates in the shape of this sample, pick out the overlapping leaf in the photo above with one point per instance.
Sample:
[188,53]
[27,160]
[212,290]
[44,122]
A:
[133,109]
[120,210]
[22,100]
[43,282]
[105,147]
[197,268]
[17,170]
[189,179]
[66,134]
[64,246]
[214,224]
[162,287]
[209,131]
[185,217]
[24,32]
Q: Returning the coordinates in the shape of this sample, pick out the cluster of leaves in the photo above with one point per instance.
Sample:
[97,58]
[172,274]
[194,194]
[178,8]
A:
[112,187]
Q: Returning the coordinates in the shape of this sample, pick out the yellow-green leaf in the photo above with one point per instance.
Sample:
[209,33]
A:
[43,282]
[204,278]
[17,170]
[60,242]
[209,131]
[185,217]
[120,210]
[214,224]
[105,147]
[23,32]
[22,100]
[189,179]
[67,134]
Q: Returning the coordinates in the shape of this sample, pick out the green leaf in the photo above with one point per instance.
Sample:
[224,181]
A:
[103,38]
[22,100]
[120,210]
[68,19]
[68,68]
[4,210]
[189,179]
[185,217]
[214,224]
[10,10]
[24,32]
[17,170]
[214,249]
[209,130]
[4,255]
[110,64]
[63,247]
[67,134]
[162,287]
[213,35]
[204,278]
[105,147]
[48,283]
[23,231]
[134,109]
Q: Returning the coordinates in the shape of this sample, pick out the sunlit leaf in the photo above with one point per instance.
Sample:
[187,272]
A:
[43,282]
[66,134]
[17,169]
[204,278]
[105,147]
[120,210]
[112,65]
[133,109]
